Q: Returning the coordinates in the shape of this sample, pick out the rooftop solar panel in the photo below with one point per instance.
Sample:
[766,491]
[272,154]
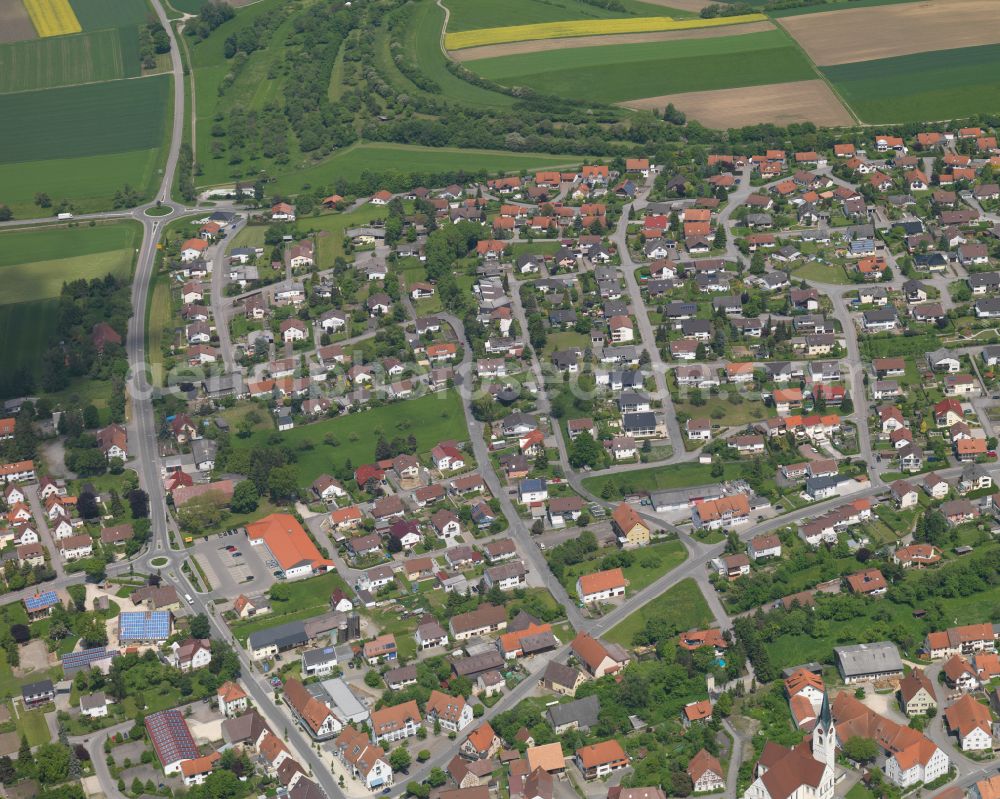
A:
[170,736]
[83,658]
[41,601]
[144,626]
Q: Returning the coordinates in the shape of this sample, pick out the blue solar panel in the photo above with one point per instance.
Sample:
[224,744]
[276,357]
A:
[41,601]
[83,658]
[144,626]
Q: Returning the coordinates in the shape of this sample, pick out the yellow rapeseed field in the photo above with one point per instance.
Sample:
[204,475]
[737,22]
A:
[584,27]
[52,17]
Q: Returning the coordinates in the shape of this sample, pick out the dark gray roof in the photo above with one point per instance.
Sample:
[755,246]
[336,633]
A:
[583,711]
[283,636]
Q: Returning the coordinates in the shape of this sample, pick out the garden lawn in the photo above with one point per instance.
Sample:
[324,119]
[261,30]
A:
[31,724]
[683,604]
[304,599]
[942,84]
[350,163]
[659,559]
[726,412]
[659,478]
[430,419]
[822,273]
[614,73]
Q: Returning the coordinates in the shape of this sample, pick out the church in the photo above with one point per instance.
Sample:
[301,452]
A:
[805,771]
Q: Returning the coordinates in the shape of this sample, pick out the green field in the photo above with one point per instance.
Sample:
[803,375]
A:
[829,5]
[35,263]
[95,119]
[648,564]
[88,183]
[474,14]
[349,163]
[430,419]
[64,60]
[943,84]
[98,14]
[658,478]
[683,604]
[25,329]
[615,73]
[423,45]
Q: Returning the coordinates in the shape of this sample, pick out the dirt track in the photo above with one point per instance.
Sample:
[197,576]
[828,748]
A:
[541,45]
[15,24]
[863,34]
[780,103]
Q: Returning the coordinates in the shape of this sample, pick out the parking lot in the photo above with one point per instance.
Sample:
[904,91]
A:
[232,566]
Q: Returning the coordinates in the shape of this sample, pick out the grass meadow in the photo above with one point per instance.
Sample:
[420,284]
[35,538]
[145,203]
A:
[431,419]
[468,15]
[63,60]
[614,73]
[25,327]
[351,162]
[942,84]
[683,604]
[422,43]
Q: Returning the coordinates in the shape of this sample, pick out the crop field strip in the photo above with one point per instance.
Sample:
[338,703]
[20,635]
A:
[99,14]
[773,103]
[52,17]
[615,74]
[545,45]
[88,57]
[586,27]
[943,84]
[93,119]
[879,32]
[467,15]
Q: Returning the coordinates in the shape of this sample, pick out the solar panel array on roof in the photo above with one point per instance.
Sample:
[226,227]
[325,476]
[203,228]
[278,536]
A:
[41,601]
[75,661]
[170,736]
[140,625]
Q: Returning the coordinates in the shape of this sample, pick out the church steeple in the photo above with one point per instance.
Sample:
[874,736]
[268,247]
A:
[825,735]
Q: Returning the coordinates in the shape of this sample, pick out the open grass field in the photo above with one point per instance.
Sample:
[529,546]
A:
[52,17]
[649,564]
[542,45]
[422,38]
[928,86]
[468,15]
[64,60]
[97,14]
[35,263]
[862,34]
[351,162]
[658,478]
[830,5]
[93,119]
[629,72]
[431,419]
[683,604]
[89,183]
[774,103]
[585,27]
